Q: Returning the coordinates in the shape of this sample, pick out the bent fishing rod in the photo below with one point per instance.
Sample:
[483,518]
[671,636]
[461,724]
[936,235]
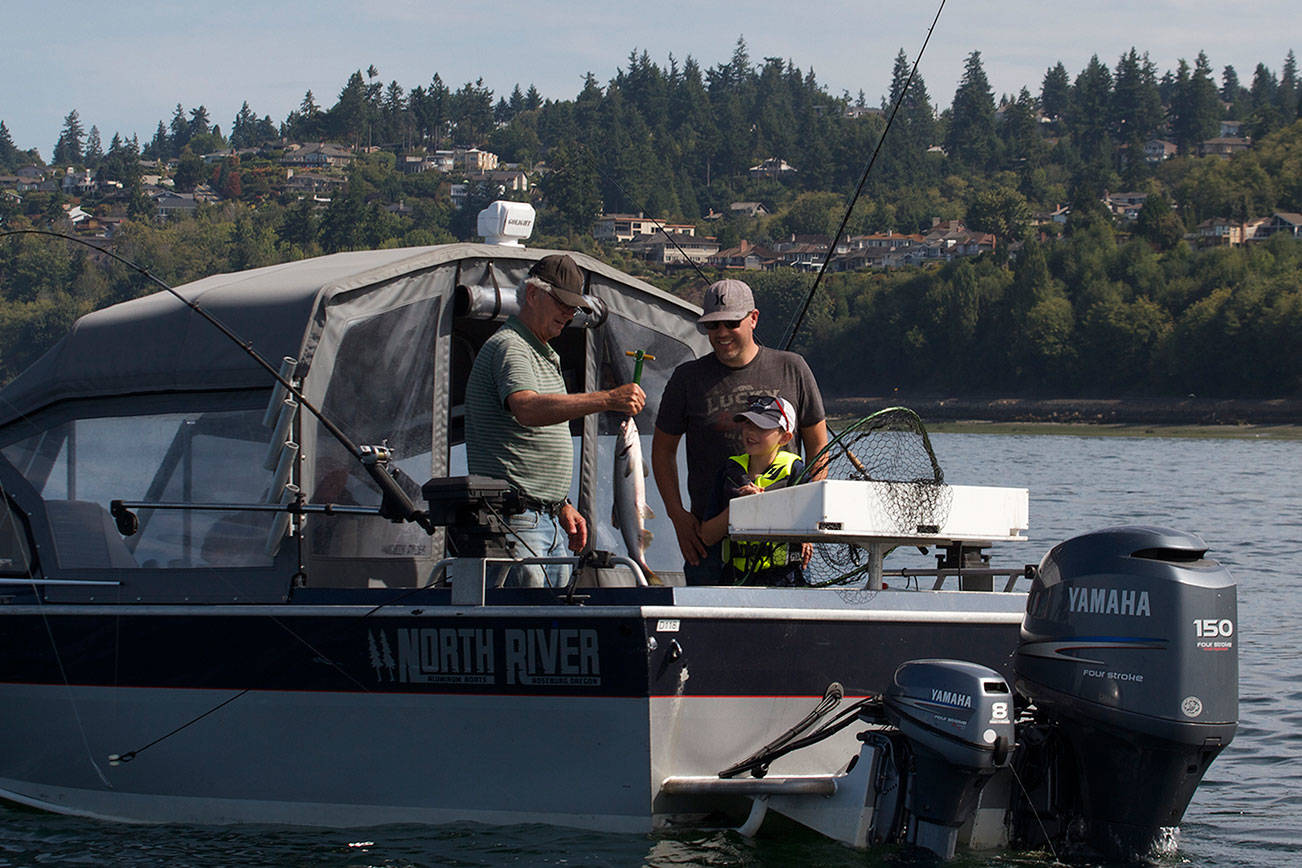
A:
[799,318]
[396,504]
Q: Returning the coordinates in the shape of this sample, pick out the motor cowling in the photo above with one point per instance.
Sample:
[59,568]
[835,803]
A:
[958,720]
[1128,648]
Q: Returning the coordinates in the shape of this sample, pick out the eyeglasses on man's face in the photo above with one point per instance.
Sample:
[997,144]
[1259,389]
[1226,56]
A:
[569,309]
[730,324]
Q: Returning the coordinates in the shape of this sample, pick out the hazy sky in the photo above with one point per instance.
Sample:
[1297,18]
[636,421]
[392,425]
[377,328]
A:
[125,66]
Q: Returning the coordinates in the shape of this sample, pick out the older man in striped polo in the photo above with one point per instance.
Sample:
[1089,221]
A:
[518,414]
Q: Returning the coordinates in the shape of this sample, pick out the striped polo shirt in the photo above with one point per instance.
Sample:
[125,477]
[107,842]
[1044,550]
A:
[538,461]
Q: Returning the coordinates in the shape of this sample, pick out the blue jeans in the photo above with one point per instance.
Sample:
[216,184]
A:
[710,569]
[542,534]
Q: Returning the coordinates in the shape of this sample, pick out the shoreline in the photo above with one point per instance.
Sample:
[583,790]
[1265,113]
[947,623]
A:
[1272,419]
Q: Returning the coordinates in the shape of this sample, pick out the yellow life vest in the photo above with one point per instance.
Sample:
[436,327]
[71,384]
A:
[751,557]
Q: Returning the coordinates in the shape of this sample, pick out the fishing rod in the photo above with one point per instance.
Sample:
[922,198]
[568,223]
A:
[799,318]
[396,504]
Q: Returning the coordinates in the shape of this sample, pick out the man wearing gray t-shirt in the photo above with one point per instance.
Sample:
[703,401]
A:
[700,401]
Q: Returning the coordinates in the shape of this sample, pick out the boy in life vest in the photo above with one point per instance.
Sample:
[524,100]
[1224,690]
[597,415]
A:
[768,424]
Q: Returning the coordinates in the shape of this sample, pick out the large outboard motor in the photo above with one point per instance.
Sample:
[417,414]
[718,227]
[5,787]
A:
[958,720]
[1128,650]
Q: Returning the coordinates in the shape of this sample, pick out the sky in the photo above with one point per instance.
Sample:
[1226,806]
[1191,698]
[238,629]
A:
[125,66]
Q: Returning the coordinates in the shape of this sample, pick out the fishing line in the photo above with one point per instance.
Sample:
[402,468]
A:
[831,248]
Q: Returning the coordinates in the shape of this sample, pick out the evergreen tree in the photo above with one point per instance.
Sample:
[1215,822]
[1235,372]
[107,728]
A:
[8,151]
[395,126]
[1288,89]
[199,122]
[914,130]
[160,147]
[1089,111]
[346,120]
[1232,91]
[1265,116]
[470,109]
[971,137]
[1055,91]
[68,150]
[1136,106]
[178,131]
[1196,105]
[94,151]
[244,128]
[532,99]
[570,191]
[1023,144]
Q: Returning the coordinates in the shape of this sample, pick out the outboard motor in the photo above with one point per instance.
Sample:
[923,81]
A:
[958,720]
[1128,651]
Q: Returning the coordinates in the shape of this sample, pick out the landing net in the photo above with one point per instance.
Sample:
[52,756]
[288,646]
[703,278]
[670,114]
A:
[892,446]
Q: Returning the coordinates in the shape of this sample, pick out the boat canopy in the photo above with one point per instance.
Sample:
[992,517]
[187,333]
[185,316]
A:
[146,401]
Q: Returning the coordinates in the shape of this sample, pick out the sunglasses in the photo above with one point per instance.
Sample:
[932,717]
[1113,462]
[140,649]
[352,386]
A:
[767,402]
[730,324]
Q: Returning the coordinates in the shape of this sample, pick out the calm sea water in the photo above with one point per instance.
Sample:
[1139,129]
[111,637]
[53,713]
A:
[1240,495]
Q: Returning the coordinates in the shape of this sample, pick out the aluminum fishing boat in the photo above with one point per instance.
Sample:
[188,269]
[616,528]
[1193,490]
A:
[211,610]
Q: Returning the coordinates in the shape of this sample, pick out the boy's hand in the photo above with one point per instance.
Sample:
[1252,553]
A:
[749,488]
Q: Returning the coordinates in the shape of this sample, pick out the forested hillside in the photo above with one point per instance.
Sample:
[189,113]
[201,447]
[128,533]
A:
[1096,305]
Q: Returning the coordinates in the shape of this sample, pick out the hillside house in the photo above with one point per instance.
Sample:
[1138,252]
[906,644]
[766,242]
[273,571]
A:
[626,227]
[317,155]
[1224,146]
[745,256]
[1157,150]
[1282,221]
[683,247]
[473,160]
[773,167]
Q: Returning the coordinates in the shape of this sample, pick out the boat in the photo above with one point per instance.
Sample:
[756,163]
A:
[216,608]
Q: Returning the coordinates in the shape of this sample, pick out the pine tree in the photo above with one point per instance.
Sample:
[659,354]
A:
[1232,91]
[68,150]
[914,129]
[1196,105]
[971,137]
[178,131]
[94,151]
[8,151]
[532,99]
[1264,117]
[243,128]
[199,122]
[1136,105]
[1288,89]
[1089,112]
[1055,92]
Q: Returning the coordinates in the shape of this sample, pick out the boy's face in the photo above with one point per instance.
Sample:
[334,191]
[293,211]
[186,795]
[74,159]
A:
[762,441]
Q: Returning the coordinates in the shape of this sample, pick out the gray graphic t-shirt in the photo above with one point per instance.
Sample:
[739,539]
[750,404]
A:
[704,394]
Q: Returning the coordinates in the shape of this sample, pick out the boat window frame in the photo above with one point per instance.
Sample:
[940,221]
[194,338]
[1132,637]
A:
[193,584]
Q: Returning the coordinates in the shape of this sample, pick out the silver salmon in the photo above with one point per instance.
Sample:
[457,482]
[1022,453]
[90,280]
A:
[630,509]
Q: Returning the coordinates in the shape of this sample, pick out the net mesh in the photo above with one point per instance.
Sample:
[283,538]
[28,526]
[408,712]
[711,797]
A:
[891,446]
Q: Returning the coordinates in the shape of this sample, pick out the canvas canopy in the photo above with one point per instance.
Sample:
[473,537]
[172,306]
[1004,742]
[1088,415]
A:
[379,347]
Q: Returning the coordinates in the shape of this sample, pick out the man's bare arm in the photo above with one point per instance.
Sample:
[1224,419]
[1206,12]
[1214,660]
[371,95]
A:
[536,410]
